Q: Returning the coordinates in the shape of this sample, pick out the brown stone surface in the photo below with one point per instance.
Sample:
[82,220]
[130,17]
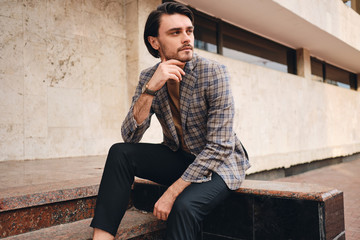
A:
[301,191]
[292,190]
[30,219]
[30,173]
[334,216]
[136,225]
[34,195]
[344,177]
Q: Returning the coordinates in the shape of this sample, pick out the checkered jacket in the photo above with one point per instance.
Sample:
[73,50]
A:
[207,114]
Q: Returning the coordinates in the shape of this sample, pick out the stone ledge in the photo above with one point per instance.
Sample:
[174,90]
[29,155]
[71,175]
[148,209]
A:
[41,194]
[136,225]
[21,197]
[266,209]
[301,191]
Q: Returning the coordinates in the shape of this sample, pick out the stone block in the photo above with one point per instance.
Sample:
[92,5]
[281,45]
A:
[266,210]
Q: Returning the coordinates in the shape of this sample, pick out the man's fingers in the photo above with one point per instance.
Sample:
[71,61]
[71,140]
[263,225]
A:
[160,215]
[174,68]
[174,77]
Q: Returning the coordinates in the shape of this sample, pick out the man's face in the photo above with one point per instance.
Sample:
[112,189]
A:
[176,38]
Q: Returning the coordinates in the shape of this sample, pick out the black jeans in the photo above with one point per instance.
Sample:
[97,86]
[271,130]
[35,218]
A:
[157,163]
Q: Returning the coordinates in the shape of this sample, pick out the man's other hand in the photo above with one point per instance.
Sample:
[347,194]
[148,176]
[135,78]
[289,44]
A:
[165,203]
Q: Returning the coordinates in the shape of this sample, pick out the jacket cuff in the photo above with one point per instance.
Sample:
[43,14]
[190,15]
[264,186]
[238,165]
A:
[198,178]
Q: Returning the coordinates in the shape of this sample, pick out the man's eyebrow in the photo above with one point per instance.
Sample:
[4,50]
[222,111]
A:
[177,29]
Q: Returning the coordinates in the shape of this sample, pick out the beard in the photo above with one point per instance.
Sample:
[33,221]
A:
[180,54]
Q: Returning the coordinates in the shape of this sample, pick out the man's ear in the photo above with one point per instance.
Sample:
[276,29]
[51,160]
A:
[154,42]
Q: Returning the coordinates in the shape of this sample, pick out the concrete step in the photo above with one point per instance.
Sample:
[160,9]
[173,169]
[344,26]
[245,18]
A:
[136,225]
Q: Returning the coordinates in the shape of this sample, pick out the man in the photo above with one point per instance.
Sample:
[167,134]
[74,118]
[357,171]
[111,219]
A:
[200,159]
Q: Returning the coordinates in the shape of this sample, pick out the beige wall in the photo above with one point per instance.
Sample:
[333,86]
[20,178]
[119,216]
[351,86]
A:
[62,77]
[69,68]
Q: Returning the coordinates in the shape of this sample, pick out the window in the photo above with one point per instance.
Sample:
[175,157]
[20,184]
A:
[324,72]
[246,46]
[347,2]
[205,33]
[317,73]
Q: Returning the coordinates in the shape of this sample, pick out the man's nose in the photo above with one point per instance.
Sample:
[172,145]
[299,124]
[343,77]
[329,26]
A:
[186,38]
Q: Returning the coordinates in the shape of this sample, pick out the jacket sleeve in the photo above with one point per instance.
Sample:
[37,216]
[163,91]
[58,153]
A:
[220,139]
[131,131]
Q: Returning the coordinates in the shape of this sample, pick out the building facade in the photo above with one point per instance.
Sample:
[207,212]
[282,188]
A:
[68,70]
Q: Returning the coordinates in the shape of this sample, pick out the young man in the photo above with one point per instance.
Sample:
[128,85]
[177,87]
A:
[200,159]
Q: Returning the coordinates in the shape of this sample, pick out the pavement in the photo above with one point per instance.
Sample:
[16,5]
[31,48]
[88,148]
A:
[344,177]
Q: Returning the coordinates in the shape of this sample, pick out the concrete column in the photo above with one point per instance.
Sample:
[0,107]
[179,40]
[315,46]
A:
[132,46]
[303,63]
[137,56]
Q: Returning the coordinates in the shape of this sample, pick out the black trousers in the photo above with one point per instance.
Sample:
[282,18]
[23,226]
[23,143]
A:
[157,163]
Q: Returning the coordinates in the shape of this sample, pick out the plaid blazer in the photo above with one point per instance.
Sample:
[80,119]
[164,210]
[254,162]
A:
[207,114]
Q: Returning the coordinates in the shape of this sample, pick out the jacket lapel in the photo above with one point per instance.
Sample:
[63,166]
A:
[186,88]
[165,111]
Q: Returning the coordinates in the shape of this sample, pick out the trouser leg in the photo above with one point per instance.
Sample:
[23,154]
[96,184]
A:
[150,161]
[192,205]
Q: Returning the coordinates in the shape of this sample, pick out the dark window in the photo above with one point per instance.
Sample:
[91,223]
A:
[328,73]
[337,76]
[249,47]
[317,70]
[205,33]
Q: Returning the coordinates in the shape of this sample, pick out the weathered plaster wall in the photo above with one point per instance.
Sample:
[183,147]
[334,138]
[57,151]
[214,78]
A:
[62,77]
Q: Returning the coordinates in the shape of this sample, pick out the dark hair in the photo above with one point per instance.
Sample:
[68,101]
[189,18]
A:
[153,21]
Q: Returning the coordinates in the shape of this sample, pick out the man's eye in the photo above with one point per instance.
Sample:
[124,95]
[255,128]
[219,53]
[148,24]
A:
[190,31]
[175,33]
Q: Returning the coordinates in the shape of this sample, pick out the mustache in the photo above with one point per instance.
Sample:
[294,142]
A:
[185,46]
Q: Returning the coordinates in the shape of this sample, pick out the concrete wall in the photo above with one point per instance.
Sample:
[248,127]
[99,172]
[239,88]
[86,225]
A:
[68,70]
[62,77]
